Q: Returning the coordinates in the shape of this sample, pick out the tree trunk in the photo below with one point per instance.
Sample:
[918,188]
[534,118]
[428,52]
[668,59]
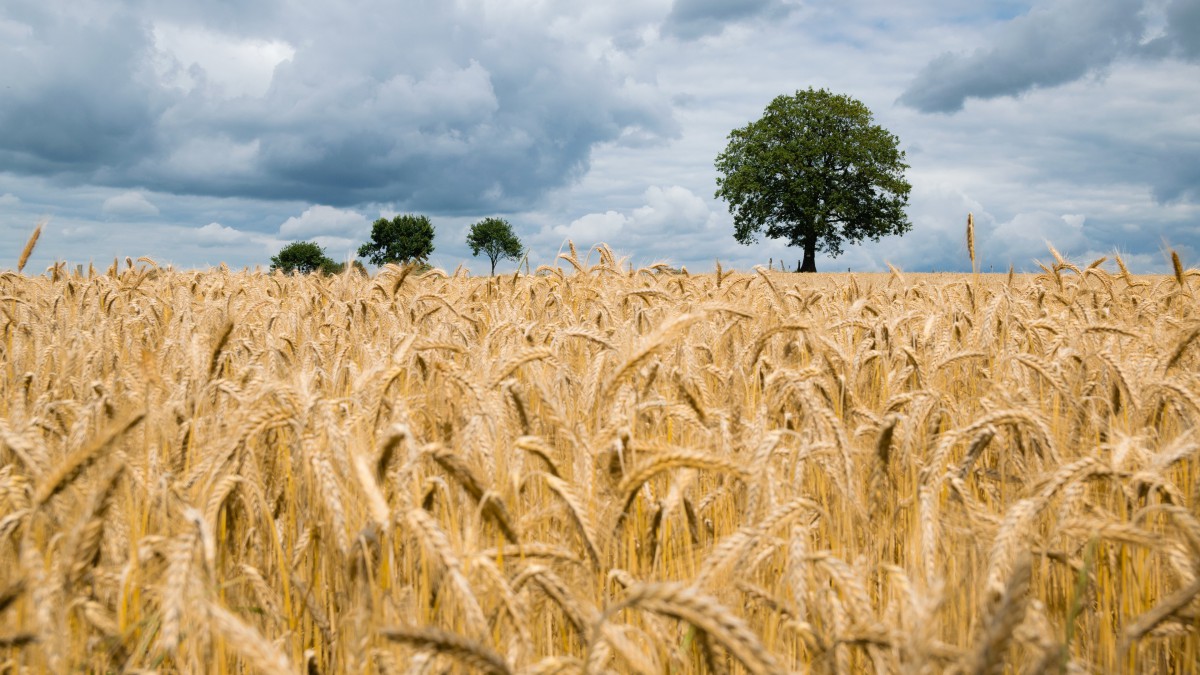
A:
[493,267]
[810,254]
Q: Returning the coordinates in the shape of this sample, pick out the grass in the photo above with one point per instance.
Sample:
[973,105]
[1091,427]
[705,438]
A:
[632,471]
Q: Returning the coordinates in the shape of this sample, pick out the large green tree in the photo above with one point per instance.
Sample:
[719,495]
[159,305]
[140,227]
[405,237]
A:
[815,171]
[495,237]
[303,257]
[405,238]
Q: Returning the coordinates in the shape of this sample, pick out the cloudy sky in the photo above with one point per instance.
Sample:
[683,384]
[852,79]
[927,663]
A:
[200,133]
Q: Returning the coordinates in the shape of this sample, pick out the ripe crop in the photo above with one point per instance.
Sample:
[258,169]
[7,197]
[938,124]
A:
[602,470]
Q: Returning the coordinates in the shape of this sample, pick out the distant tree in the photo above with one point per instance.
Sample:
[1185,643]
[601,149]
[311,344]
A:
[816,172]
[495,237]
[406,238]
[338,267]
[301,256]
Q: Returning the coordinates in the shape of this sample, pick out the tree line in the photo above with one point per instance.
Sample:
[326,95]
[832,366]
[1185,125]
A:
[814,170]
[404,239]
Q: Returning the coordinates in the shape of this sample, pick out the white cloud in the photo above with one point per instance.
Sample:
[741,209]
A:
[129,204]
[675,209]
[247,116]
[232,246]
[81,232]
[1027,235]
[218,234]
[666,214]
[672,223]
[594,228]
[211,158]
[326,221]
[188,56]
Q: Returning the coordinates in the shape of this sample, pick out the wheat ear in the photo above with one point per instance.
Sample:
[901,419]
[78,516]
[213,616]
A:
[175,591]
[17,641]
[579,613]
[458,469]
[578,512]
[10,594]
[81,459]
[25,252]
[538,448]
[971,240]
[247,641]
[1161,612]
[219,346]
[472,654]
[87,545]
[1177,266]
[879,468]
[438,548]
[705,613]
[1180,348]
[1005,613]
[652,343]
[395,438]
[672,459]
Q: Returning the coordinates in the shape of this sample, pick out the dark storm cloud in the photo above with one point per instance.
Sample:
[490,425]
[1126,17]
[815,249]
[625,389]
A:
[74,96]
[420,105]
[1051,45]
[1182,34]
[207,132]
[691,19]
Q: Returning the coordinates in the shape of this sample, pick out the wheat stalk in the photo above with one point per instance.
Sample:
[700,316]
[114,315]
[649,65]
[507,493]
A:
[971,240]
[247,641]
[1003,615]
[578,511]
[81,459]
[28,250]
[671,459]
[686,604]
[473,654]
[1177,267]
[438,548]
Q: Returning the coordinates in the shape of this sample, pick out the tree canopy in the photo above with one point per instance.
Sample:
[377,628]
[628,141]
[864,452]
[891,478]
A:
[815,171]
[495,237]
[304,257]
[405,238]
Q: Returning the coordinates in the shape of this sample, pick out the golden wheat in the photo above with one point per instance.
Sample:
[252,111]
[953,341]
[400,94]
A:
[28,250]
[592,468]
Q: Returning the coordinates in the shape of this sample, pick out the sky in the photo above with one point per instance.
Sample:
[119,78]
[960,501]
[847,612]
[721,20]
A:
[204,133]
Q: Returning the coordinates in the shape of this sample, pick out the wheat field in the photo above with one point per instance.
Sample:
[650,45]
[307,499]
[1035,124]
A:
[600,469]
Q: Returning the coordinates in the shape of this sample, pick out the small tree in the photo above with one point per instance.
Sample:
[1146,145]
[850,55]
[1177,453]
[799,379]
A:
[815,171]
[338,268]
[406,238]
[495,237]
[301,256]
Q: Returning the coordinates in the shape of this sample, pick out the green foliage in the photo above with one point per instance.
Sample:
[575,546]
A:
[403,239]
[495,237]
[337,268]
[815,171]
[301,256]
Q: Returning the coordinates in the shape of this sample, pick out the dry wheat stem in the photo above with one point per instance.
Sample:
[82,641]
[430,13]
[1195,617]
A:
[28,250]
[475,655]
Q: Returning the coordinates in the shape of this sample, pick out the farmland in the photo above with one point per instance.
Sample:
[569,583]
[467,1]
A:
[599,468]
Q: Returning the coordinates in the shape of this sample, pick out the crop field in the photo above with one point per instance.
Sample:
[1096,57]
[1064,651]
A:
[599,469]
